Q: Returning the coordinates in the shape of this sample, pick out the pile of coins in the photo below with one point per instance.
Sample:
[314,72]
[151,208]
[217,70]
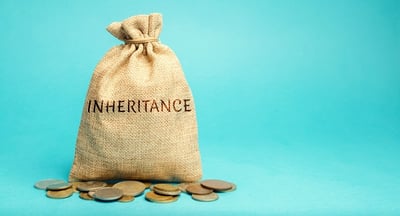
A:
[126,191]
[207,190]
[56,188]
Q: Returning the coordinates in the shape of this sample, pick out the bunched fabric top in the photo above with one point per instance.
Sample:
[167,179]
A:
[139,28]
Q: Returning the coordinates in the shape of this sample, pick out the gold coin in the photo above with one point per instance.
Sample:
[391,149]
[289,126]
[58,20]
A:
[153,197]
[108,194]
[168,193]
[233,188]
[59,186]
[166,187]
[173,199]
[85,196]
[91,192]
[130,188]
[90,185]
[126,198]
[216,184]
[182,186]
[198,189]
[205,197]
[42,185]
[60,194]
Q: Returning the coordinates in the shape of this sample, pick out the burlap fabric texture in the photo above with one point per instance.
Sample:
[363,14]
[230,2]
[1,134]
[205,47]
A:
[139,119]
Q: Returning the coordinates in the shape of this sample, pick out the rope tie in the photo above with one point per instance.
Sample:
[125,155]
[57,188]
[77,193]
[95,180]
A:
[141,40]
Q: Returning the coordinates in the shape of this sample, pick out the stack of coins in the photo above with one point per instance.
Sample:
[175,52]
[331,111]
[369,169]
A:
[207,190]
[163,193]
[126,191]
[55,188]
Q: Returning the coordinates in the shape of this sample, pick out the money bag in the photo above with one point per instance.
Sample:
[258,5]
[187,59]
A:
[139,118]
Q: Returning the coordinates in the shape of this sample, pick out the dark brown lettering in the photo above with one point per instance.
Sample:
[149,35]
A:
[120,106]
[109,106]
[145,104]
[88,108]
[167,107]
[131,106]
[154,106]
[174,105]
[99,107]
[186,105]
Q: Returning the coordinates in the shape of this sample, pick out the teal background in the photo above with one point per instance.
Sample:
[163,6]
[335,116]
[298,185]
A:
[298,102]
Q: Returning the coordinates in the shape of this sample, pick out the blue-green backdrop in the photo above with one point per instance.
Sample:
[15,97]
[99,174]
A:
[298,101]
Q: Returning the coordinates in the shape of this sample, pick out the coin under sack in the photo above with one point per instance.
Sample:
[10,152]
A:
[139,119]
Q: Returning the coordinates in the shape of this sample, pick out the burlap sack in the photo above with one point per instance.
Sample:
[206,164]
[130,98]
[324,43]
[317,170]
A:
[139,118]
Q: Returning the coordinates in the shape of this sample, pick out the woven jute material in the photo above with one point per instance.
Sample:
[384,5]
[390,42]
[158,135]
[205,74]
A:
[139,119]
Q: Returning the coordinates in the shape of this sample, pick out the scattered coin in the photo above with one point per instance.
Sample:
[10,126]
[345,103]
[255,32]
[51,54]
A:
[233,188]
[198,189]
[153,197]
[85,196]
[205,197]
[166,189]
[90,185]
[168,193]
[126,198]
[173,199]
[184,185]
[42,185]
[216,184]
[60,194]
[131,188]
[59,186]
[108,194]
